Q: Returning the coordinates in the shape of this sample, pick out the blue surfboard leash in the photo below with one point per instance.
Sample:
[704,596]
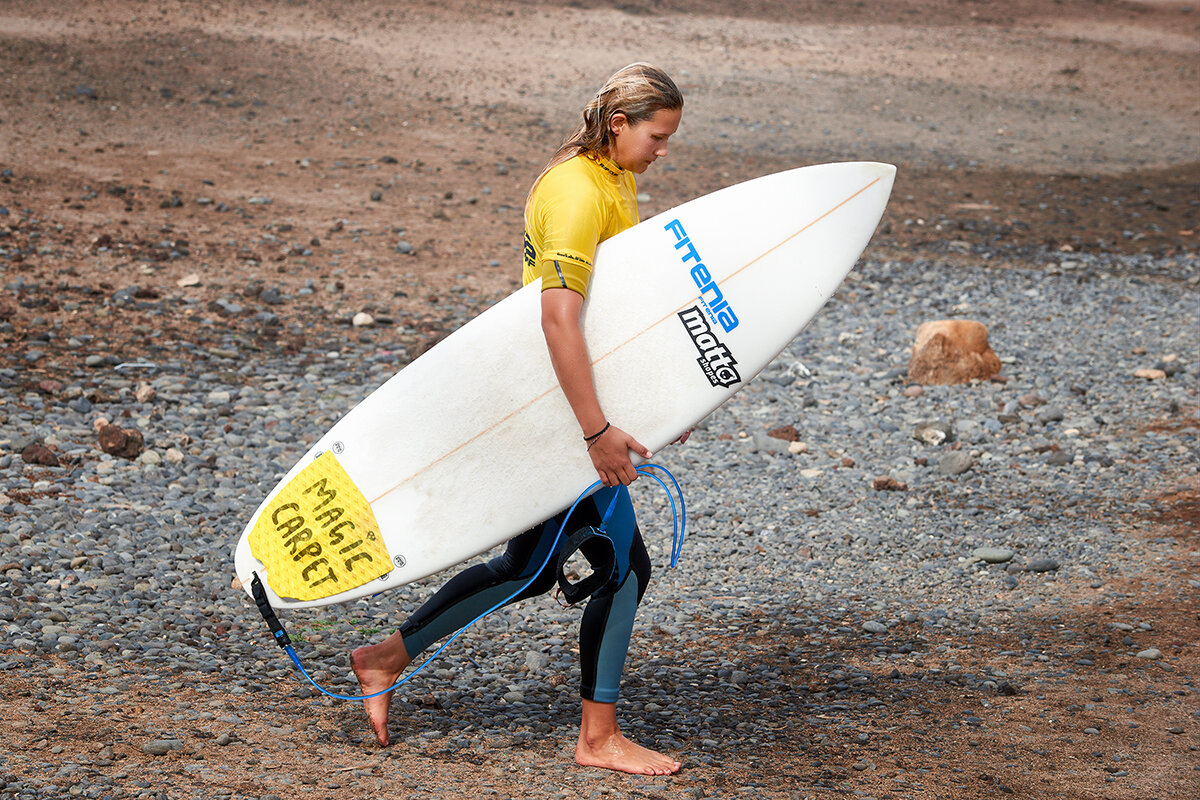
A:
[679,521]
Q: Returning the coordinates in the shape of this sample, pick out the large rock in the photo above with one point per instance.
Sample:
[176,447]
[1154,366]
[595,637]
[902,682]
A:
[952,351]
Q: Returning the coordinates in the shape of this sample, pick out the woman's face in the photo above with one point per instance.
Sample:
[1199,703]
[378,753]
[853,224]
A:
[636,145]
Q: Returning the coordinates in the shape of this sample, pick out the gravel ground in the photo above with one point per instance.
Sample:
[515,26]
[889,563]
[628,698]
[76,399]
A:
[117,573]
[979,591]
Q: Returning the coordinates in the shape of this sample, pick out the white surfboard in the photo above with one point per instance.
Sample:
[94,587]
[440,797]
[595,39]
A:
[474,441]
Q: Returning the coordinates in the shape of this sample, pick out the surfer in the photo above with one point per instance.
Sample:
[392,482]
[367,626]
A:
[585,195]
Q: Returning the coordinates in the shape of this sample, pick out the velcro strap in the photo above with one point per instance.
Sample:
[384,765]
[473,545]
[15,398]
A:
[599,582]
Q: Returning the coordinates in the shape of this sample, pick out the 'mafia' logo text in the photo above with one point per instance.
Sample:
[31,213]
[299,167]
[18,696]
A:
[711,298]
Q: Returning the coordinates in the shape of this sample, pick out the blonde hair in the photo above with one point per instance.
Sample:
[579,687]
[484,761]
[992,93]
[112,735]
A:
[638,91]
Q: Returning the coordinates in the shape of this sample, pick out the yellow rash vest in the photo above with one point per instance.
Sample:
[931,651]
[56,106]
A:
[577,204]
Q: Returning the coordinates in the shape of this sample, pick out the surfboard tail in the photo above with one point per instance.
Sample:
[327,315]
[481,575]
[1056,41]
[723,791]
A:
[318,536]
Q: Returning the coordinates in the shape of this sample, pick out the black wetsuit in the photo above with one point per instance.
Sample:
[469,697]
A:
[607,621]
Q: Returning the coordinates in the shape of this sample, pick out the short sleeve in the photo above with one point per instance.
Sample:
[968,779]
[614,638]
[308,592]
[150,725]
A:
[572,220]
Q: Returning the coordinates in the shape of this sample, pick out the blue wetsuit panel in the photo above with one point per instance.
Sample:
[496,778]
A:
[607,622]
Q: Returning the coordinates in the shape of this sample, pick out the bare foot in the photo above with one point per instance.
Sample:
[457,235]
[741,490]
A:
[377,667]
[614,751]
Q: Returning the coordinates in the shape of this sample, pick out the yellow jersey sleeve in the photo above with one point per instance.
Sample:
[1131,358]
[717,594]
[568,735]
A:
[571,219]
[576,206]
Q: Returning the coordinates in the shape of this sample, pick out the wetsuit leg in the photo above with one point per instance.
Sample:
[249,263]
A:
[607,625]
[476,589]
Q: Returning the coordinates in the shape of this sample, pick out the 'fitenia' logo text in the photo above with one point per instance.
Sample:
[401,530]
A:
[711,297]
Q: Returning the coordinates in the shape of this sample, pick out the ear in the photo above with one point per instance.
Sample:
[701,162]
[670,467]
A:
[617,123]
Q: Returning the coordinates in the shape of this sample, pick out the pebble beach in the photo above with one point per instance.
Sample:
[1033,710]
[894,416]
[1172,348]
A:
[224,224]
[1004,496]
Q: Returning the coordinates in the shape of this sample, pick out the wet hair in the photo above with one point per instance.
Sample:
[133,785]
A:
[638,91]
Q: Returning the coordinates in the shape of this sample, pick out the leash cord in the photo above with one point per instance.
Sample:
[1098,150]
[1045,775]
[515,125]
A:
[679,520]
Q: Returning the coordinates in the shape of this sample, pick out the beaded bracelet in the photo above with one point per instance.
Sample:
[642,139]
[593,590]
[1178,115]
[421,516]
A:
[595,437]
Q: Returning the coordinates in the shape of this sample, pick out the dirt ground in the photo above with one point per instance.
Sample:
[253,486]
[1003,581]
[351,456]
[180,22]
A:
[378,154]
[1051,729]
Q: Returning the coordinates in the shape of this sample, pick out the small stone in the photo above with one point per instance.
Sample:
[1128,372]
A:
[872,626]
[914,391]
[1170,367]
[191,279]
[796,448]
[993,555]
[761,443]
[1042,565]
[788,433]
[39,454]
[362,320]
[272,296]
[150,458]
[1050,414]
[122,442]
[886,483]
[160,747]
[955,463]
[933,433]
[1059,458]
[1150,654]
[1150,374]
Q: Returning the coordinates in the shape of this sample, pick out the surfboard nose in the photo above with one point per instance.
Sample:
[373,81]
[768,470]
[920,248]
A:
[881,170]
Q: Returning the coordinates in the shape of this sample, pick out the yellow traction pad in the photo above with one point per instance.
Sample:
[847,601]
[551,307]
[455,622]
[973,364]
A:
[318,536]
